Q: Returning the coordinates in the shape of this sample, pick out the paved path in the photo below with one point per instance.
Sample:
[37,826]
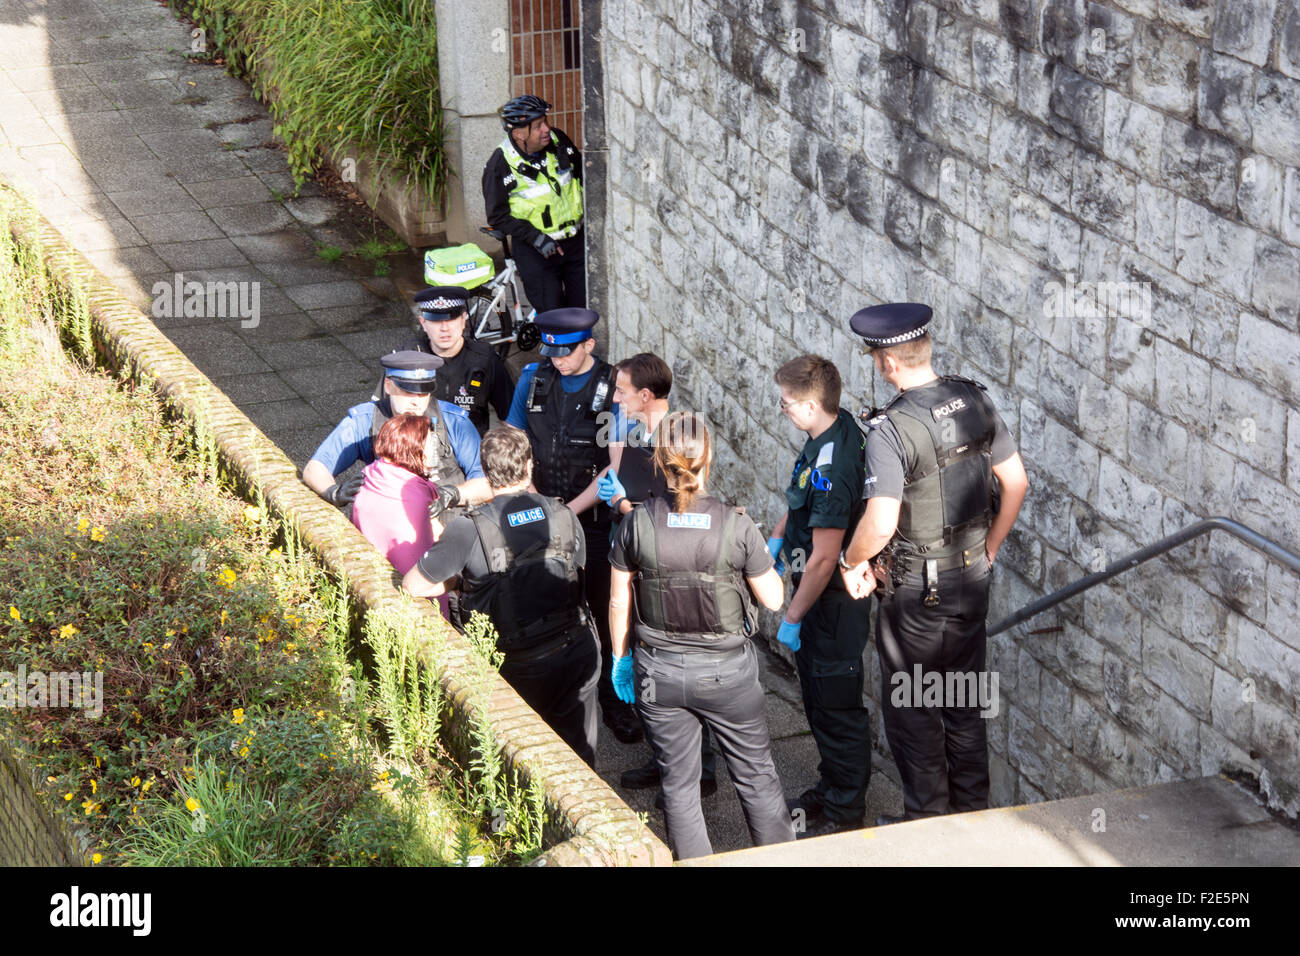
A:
[152,165]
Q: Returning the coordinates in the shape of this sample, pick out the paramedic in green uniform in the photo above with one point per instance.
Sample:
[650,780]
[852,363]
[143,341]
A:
[823,625]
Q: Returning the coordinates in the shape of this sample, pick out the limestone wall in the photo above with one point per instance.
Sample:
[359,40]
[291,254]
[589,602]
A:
[773,167]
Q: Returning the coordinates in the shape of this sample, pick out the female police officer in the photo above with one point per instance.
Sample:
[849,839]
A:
[691,559]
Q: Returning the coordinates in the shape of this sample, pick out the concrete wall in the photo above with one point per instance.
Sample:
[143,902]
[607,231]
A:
[773,166]
[29,834]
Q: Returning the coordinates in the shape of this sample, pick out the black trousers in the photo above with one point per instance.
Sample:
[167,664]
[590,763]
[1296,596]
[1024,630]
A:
[831,644]
[680,693]
[597,588]
[941,751]
[559,682]
[557,282]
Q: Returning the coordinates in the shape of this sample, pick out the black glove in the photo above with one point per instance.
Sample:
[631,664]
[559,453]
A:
[448,497]
[545,245]
[342,492]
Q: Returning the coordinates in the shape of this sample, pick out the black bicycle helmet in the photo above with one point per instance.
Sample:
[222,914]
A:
[522,110]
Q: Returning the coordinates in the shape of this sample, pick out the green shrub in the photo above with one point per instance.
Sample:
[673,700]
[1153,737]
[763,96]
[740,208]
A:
[335,72]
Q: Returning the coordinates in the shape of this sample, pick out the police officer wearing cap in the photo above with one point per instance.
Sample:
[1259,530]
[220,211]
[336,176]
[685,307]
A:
[685,565]
[822,625]
[563,402]
[473,376]
[937,457]
[518,559]
[408,389]
[532,191]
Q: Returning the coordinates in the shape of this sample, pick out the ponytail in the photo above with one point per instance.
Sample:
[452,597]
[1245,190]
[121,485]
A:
[684,453]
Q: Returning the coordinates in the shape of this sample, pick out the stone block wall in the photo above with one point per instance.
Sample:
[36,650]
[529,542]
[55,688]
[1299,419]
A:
[1101,200]
[29,834]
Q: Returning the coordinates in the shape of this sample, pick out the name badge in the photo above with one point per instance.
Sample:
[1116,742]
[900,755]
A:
[516,518]
[689,520]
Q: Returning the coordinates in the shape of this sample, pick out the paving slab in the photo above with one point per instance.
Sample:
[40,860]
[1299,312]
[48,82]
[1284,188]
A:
[1211,821]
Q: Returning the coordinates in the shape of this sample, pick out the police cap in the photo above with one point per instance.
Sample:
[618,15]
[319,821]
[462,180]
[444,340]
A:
[412,371]
[562,329]
[441,302]
[892,323]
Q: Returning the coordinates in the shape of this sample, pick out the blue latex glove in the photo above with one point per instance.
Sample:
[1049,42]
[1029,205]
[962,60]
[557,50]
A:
[774,549]
[789,634]
[609,487]
[621,676]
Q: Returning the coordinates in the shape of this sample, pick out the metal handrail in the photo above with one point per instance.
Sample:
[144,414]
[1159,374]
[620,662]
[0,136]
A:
[1251,537]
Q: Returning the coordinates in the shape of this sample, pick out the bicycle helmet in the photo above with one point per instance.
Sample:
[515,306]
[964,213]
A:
[522,110]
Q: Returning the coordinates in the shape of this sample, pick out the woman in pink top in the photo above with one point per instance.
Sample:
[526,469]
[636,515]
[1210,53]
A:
[392,507]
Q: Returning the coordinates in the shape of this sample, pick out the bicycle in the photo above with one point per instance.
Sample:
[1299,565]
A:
[496,315]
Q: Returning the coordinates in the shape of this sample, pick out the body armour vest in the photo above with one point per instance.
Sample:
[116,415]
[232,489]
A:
[563,426]
[684,583]
[533,590]
[446,470]
[546,194]
[948,496]
[640,476]
[467,391]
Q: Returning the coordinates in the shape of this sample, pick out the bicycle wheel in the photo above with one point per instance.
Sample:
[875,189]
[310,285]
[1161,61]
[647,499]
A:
[498,322]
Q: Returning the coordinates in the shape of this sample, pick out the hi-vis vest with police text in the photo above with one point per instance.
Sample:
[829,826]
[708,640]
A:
[533,591]
[546,195]
[446,470]
[948,496]
[563,426]
[684,581]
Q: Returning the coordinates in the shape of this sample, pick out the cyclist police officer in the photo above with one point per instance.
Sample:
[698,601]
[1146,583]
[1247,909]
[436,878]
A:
[532,191]
[473,376]
[562,403]
[408,389]
[936,456]
[519,560]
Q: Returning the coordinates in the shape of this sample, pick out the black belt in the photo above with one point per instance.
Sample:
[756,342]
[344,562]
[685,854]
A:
[951,562]
[537,652]
[701,656]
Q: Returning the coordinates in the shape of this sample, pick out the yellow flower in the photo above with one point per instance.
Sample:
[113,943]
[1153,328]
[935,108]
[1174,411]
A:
[67,796]
[97,858]
[192,805]
[97,533]
[82,525]
[237,716]
[227,577]
[147,784]
[135,781]
[223,617]
[94,787]
[13,612]
[252,514]
[73,556]
[243,751]
[170,632]
[67,630]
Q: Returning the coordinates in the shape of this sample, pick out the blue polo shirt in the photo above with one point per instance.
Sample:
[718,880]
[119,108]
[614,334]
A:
[351,441]
[518,417]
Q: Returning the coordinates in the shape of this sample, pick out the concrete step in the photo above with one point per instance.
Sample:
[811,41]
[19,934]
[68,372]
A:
[1207,822]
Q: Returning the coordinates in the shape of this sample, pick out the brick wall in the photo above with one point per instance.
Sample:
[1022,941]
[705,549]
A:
[773,167]
[29,834]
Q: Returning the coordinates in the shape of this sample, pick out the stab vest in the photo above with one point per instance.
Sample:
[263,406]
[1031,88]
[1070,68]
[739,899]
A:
[640,476]
[468,392]
[446,470]
[546,194]
[948,496]
[533,590]
[563,426]
[684,583]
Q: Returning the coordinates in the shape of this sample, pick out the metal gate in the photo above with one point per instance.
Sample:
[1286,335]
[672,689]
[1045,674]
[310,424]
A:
[547,60]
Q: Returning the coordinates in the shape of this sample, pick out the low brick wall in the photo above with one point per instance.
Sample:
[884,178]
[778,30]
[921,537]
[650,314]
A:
[29,834]
[581,807]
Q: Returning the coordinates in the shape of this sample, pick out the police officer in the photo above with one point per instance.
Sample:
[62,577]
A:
[563,403]
[936,456]
[824,628]
[408,389]
[691,557]
[472,375]
[532,191]
[641,387]
[519,560]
